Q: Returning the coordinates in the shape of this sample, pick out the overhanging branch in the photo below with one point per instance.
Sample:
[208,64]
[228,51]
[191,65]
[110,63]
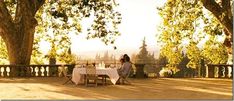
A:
[227,8]
[5,18]
[29,7]
[4,13]
[212,6]
[35,5]
[218,12]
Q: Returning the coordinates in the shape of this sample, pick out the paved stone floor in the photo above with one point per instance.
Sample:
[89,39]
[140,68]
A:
[155,88]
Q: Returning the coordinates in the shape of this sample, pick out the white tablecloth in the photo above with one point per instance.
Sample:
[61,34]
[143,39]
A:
[111,72]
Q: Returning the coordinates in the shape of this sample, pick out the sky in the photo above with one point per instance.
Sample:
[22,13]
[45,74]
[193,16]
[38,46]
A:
[139,19]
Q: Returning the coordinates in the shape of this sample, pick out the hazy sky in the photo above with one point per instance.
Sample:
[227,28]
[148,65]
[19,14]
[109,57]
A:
[139,19]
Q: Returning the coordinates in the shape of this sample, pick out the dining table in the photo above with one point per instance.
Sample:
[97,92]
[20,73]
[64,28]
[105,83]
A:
[78,72]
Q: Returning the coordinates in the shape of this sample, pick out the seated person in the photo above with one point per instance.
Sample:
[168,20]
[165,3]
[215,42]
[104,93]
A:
[126,67]
[121,61]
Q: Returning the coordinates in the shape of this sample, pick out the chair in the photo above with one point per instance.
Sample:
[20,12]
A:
[125,78]
[68,75]
[69,78]
[103,78]
[91,75]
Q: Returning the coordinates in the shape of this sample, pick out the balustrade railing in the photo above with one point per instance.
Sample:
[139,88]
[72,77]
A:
[33,70]
[224,70]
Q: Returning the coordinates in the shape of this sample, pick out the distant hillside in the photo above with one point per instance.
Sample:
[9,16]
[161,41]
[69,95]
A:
[116,53]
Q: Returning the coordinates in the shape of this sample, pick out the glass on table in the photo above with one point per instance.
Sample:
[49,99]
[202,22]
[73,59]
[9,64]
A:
[112,66]
[79,66]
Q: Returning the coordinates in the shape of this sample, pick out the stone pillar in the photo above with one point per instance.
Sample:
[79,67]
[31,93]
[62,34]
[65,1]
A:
[53,70]
[139,70]
[203,68]
[210,71]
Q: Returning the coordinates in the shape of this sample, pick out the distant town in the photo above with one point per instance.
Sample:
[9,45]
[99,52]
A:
[109,57]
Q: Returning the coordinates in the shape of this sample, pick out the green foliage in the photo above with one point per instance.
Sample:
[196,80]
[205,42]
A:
[215,52]
[59,19]
[68,58]
[3,53]
[186,25]
[194,55]
[172,53]
[179,17]
[162,60]
[106,21]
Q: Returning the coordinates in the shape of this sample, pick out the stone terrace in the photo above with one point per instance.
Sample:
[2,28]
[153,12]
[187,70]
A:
[156,88]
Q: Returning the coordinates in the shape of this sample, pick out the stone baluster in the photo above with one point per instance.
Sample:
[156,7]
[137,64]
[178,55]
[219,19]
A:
[1,72]
[33,71]
[45,71]
[5,71]
[8,70]
[231,73]
[226,72]
[39,71]
[220,73]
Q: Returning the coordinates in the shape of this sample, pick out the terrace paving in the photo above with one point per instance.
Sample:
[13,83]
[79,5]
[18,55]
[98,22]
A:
[155,88]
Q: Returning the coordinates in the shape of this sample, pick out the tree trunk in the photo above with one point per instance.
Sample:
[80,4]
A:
[20,47]
[18,34]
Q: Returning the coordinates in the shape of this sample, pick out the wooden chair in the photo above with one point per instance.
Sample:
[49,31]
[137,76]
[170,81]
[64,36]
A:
[68,75]
[125,78]
[69,79]
[91,75]
[103,78]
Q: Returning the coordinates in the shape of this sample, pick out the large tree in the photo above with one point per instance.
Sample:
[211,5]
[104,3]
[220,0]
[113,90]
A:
[188,23]
[18,22]
[222,10]
[17,31]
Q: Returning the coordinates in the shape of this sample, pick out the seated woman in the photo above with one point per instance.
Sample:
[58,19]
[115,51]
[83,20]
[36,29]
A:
[126,66]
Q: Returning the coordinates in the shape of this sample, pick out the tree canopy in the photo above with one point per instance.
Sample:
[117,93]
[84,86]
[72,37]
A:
[187,25]
[53,21]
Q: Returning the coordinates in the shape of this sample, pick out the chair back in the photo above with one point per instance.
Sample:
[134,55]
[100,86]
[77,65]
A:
[126,70]
[90,70]
[129,72]
[90,75]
